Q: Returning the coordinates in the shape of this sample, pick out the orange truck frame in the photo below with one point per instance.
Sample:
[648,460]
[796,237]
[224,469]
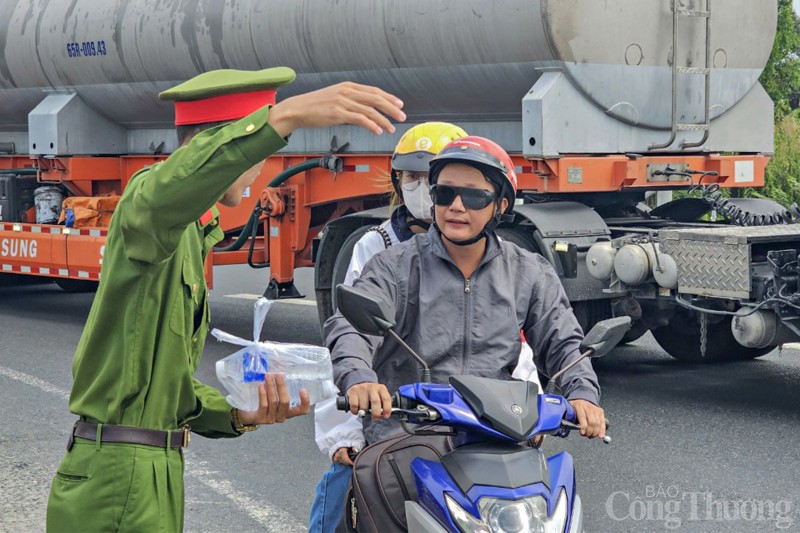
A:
[295,213]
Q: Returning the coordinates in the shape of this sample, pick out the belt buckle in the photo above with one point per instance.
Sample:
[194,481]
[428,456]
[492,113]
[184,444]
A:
[187,436]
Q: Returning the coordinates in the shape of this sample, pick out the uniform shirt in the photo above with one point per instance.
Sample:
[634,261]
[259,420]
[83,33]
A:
[136,359]
[460,326]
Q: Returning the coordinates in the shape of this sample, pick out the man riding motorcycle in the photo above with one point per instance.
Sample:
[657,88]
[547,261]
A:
[465,314]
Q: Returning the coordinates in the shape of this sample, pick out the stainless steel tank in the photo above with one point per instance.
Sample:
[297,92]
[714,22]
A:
[465,60]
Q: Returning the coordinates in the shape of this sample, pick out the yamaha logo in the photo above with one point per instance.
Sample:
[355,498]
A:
[516,409]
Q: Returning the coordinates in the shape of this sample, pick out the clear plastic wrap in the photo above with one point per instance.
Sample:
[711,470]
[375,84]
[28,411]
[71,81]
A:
[304,366]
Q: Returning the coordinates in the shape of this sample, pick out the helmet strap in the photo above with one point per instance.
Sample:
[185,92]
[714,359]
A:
[396,183]
[418,222]
[488,229]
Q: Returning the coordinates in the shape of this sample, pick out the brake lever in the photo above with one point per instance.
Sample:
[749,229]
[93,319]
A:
[566,424]
[422,412]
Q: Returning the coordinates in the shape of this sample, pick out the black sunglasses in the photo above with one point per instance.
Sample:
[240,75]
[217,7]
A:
[475,199]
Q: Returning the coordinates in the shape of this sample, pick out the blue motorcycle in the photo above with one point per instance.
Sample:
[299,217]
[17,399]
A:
[493,481]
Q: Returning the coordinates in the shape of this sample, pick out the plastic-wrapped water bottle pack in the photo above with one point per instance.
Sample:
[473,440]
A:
[304,366]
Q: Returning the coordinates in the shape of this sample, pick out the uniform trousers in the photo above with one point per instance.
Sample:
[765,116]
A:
[117,487]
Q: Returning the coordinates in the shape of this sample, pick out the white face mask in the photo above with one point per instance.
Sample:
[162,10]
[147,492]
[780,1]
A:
[417,199]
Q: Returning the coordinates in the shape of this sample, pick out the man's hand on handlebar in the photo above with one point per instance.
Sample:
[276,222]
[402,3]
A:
[372,398]
[591,418]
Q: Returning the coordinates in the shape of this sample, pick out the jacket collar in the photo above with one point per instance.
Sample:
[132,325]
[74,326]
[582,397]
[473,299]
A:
[399,224]
[493,248]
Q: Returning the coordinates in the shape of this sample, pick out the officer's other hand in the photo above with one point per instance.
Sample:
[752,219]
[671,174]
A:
[591,418]
[373,398]
[273,403]
[344,103]
[342,456]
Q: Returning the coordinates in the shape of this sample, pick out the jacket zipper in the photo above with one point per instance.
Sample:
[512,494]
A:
[467,308]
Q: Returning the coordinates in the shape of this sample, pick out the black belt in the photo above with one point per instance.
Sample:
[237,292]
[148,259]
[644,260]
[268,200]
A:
[130,435]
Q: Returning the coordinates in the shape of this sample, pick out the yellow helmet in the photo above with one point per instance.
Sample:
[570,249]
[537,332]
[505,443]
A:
[419,145]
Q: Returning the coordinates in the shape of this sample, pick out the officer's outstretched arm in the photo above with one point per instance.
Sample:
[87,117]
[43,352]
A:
[162,201]
[344,103]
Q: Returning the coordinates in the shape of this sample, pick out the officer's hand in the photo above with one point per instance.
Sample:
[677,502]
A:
[373,398]
[344,103]
[591,418]
[273,403]
[342,456]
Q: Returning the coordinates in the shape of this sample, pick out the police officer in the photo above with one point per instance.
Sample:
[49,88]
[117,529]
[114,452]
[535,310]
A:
[134,390]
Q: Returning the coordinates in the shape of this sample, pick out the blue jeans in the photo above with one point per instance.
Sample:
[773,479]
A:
[328,506]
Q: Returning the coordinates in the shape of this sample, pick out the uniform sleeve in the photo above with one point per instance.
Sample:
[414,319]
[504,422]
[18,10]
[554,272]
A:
[555,336]
[214,420]
[351,352]
[162,201]
[334,429]
[368,245]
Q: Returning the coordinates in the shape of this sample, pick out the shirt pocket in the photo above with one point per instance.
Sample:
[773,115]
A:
[187,299]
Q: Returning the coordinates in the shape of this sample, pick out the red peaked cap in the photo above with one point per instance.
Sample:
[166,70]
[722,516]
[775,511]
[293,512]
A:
[225,95]
[223,108]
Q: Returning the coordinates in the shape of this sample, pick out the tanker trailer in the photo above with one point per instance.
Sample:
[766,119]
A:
[599,102]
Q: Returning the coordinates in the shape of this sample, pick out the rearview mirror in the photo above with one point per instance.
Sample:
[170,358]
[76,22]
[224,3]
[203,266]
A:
[606,334]
[367,313]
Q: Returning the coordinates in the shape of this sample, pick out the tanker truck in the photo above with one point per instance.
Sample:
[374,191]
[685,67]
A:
[599,103]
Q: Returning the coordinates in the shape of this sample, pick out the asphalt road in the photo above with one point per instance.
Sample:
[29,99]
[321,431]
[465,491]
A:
[704,449]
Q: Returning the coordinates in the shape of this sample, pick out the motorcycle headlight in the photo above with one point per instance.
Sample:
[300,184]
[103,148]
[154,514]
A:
[527,515]
[463,519]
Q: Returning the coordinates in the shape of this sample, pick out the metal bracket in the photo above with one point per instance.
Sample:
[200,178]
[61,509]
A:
[665,172]
[282,291]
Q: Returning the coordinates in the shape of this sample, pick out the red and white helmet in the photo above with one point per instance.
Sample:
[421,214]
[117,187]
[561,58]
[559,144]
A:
[484,155]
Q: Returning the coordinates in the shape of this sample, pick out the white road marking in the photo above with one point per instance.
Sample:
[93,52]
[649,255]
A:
[792,345]
[292,301]
[272,518]
[34,382]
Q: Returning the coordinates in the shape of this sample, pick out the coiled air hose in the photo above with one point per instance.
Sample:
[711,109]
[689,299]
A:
[251,227]
[737,215]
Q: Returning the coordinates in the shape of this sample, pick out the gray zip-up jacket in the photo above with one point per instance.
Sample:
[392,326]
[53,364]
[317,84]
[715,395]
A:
[460,326]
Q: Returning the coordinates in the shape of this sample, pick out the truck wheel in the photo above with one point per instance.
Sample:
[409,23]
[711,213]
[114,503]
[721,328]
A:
[324,306]
[519,236]
[342,263]
[636,332]
[681,340]
[326,300]
[77,285]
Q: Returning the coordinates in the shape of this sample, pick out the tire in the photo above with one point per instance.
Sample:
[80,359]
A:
[75,286]
[324,306]
[520,237]
[326,299]
[590,312]
[636,332]
[681,340]
[342,264]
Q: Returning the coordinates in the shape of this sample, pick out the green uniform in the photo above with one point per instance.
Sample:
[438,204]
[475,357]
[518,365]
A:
[144,337]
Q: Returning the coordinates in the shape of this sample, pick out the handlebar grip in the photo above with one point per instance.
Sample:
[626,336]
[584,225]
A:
[342,403]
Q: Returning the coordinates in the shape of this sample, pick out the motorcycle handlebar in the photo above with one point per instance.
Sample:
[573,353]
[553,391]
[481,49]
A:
[342,403]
